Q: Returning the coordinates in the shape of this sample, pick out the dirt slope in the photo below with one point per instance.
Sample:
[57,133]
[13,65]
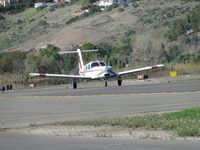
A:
[148,19]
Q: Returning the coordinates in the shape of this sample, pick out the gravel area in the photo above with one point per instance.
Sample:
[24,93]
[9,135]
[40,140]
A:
[100,132]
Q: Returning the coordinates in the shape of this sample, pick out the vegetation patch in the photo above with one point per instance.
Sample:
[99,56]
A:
[189,22]
[14,8]
[91,10]
[184,123]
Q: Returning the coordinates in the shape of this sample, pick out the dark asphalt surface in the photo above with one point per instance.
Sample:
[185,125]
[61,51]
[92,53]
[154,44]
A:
[48,105]
[35,142]
[22,107]
[143,88]
[125,89]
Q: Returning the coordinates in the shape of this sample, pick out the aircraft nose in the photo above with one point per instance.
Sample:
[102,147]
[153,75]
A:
[108,68]
[109,72]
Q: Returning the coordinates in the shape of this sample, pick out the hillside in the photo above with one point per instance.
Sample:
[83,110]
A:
[141,24]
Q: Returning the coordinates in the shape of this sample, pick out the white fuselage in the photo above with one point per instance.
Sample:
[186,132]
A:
[96,70]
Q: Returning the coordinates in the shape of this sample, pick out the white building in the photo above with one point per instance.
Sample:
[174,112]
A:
[107,3]
[62,1]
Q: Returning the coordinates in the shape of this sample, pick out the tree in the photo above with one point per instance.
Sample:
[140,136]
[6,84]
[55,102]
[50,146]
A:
[105,50]
[12,62]
[89,46]
[46,60]
[173,53]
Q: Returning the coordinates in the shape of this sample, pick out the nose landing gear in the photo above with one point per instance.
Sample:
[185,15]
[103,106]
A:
[119,81]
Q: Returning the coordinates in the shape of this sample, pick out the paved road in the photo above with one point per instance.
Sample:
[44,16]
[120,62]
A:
[35,142]
[20,108]
[129,89]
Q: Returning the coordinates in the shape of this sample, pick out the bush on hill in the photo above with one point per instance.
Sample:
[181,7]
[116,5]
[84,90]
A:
[190,21]
[12,62]
[14,8]
[2,17]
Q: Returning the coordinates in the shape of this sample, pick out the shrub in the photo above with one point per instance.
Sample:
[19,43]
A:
[87,46]
[190,21]
[43,23]
[189,58]
[113,6]
[92,9]
[171,33]
[73,19]
[14,8]
[121,9]
[129,32]
[12,62]
[173,53]
[2,17]
[19,21]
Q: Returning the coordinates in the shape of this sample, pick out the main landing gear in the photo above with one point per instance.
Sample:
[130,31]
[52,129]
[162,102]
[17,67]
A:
[119,82]
[106,83]
[74,84]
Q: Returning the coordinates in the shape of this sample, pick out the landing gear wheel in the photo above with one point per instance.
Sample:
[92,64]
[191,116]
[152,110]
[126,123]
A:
[106,84]
[119,81]
[74,85]
[3,88]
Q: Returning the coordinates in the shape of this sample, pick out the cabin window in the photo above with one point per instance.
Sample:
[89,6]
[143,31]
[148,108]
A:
[95,64]
[87,67]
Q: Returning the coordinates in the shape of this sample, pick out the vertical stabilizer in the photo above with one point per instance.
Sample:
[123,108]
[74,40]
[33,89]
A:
[80,60]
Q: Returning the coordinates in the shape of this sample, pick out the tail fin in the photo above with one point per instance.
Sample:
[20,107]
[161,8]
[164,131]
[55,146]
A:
[80,60]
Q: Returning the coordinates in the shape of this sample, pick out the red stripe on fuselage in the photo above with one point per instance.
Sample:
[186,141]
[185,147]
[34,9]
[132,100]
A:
[79,61]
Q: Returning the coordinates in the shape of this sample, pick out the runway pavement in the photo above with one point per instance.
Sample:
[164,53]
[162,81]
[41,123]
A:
[24,107]
[125,89]
[36,142]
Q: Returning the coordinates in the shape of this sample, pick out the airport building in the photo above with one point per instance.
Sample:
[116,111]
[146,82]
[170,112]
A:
[107,3]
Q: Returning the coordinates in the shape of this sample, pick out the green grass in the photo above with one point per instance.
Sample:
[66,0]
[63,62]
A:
[184,123]
[26,15]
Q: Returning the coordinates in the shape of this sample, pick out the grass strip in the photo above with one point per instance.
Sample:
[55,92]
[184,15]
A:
[184,123]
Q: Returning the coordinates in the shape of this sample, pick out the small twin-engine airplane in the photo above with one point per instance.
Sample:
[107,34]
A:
[94,70]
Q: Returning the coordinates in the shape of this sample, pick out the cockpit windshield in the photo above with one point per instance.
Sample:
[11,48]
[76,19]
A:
[102,63]
[97,64]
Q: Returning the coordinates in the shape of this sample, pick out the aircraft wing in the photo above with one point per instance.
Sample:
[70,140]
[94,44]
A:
[58,75]
[141,69]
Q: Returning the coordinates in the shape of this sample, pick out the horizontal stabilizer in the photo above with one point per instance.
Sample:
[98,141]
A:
[82,51]
[67,52]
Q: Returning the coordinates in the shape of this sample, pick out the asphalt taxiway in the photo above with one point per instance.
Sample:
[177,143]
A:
[24,107]
[146,87]
[37,142]
[18,108]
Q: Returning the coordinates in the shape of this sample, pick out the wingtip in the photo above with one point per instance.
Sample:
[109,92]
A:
[155,66]
[30,74]
[161,65]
